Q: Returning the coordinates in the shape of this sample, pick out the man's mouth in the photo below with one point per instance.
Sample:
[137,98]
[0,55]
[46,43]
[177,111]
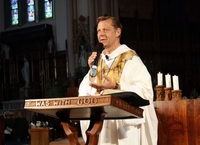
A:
[102,40]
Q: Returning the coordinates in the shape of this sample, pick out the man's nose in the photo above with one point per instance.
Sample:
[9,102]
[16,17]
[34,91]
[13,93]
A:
[101,33]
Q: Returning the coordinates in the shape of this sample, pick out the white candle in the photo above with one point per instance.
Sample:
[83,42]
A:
[168,81]
[175,82]
[160,78]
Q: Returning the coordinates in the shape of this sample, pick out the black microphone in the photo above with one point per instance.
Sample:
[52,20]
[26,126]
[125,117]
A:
[98,49]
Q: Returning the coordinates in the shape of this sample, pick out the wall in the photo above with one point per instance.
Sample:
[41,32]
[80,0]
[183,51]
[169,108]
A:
[59,24]
[82,8]
[1,16]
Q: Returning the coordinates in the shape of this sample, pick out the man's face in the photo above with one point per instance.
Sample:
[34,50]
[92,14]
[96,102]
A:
[107,34]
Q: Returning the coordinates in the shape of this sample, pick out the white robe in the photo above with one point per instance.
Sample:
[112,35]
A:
[136,78]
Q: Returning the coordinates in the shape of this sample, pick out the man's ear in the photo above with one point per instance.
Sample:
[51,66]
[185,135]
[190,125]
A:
[118,32]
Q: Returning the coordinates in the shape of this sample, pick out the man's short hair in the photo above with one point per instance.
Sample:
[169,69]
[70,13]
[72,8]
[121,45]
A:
[116,23]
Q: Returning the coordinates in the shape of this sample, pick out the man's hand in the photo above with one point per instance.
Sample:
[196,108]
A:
[108,84]
[92,58]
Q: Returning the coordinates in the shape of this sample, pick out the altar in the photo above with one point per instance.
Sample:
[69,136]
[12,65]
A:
[93,108]
[178,122]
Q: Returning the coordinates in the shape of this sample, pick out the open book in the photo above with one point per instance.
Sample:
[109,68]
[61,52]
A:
[130,97]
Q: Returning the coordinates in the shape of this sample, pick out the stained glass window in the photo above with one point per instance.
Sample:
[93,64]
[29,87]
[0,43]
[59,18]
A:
[31,10]
[48,8]
[14,12]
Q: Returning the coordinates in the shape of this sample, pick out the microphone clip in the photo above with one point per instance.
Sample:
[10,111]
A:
[107,57]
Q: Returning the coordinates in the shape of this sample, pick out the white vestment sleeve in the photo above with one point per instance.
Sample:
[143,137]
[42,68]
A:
[136,78]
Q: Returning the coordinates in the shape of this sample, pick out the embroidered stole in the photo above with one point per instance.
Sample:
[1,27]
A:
[114,73]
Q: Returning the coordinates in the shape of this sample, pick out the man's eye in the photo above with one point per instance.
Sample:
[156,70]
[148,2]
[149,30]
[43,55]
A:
[105,30]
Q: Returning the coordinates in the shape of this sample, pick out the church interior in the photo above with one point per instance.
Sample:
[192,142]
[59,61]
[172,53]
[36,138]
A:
[45,45]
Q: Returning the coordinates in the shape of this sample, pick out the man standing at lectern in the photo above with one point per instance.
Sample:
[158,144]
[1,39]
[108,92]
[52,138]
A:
[120,68]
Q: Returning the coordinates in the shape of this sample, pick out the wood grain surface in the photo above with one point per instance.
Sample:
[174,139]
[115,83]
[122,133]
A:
[179,122]
[82,107]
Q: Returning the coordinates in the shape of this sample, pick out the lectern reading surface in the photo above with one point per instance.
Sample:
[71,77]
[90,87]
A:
[93,108]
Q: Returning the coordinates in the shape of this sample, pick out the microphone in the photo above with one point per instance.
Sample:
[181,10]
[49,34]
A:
[98,49]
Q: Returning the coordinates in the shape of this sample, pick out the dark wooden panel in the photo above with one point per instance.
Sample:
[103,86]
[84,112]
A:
[2,138]
[197,121]
[179,122]
[40,136]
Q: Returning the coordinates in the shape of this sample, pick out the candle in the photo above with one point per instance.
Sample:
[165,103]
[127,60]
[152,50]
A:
[160,78]
[168,81]
[175,82]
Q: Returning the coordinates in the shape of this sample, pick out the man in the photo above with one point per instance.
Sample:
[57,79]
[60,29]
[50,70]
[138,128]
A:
[120,68]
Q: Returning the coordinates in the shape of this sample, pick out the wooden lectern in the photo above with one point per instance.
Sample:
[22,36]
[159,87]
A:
[93,108]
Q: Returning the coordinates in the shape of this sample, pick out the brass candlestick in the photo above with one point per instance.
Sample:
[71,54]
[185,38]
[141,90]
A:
[159,92]
[176,94]
[168,94]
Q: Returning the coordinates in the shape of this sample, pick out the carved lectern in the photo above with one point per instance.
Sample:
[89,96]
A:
[93,108]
